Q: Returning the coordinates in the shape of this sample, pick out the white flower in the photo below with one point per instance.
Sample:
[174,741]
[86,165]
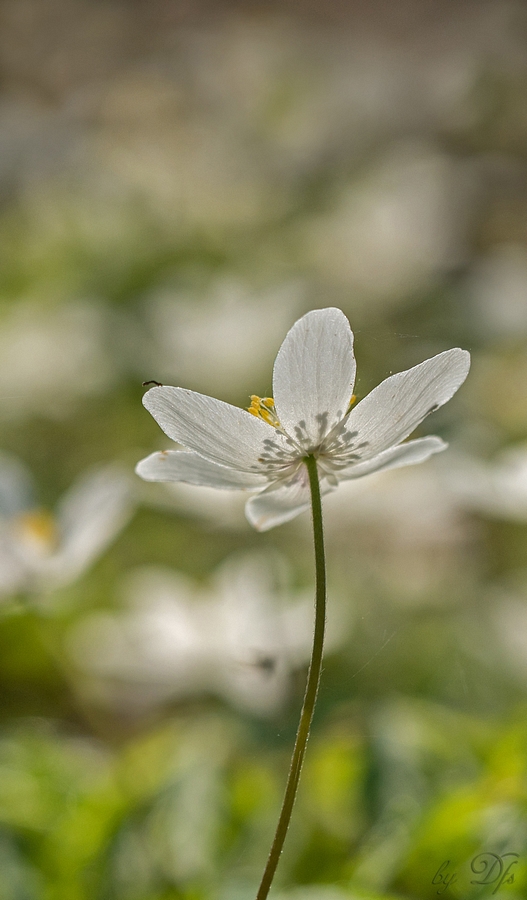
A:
[497,489]
[39,551]
[240,638]
[263,450]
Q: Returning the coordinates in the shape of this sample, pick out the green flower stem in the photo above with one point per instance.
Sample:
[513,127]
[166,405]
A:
[313,681]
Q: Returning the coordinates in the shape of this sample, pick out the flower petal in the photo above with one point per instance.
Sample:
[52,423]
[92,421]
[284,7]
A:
[216,430]
[396,406]
[178,465]
[313,375]
[402,455]
[280,504]
[90,516]
[16,488]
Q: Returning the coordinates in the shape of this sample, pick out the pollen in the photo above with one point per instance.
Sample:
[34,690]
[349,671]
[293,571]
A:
[352,401]
[263,408]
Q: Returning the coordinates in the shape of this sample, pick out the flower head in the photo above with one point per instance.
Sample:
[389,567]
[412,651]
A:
[40,551]
[262,449]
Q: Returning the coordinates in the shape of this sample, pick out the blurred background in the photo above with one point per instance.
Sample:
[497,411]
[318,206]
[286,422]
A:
[179,182]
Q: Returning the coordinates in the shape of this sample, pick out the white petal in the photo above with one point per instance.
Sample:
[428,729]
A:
[402,455]
[90,516]
[275,506]
[16,488]
[222,433]
[396,406]
[178,465]
[313,375]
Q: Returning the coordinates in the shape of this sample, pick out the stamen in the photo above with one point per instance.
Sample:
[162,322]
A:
[352,401]
[263,408]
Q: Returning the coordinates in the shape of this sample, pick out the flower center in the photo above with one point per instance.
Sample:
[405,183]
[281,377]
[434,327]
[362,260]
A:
[263,408]
[37,530]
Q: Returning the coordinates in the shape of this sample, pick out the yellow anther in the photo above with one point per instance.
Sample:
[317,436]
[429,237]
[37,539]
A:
[263,408]
[352,401]
[254,408]
[266,416]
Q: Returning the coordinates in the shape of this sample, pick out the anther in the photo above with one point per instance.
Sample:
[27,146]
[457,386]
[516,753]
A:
[264,409]
[352,401]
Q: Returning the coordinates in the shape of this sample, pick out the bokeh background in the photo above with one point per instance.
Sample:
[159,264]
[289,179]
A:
[178,183]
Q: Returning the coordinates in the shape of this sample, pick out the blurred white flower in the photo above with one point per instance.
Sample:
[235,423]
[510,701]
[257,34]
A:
[391,233]
[313,379]
[411,526]
[497,488]
[51,356]
[497,289]
[237,329]
[417,497]
[241,638]
[40,551]
[409,532]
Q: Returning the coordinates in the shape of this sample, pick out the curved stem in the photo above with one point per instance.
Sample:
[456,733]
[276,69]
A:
[313,680]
